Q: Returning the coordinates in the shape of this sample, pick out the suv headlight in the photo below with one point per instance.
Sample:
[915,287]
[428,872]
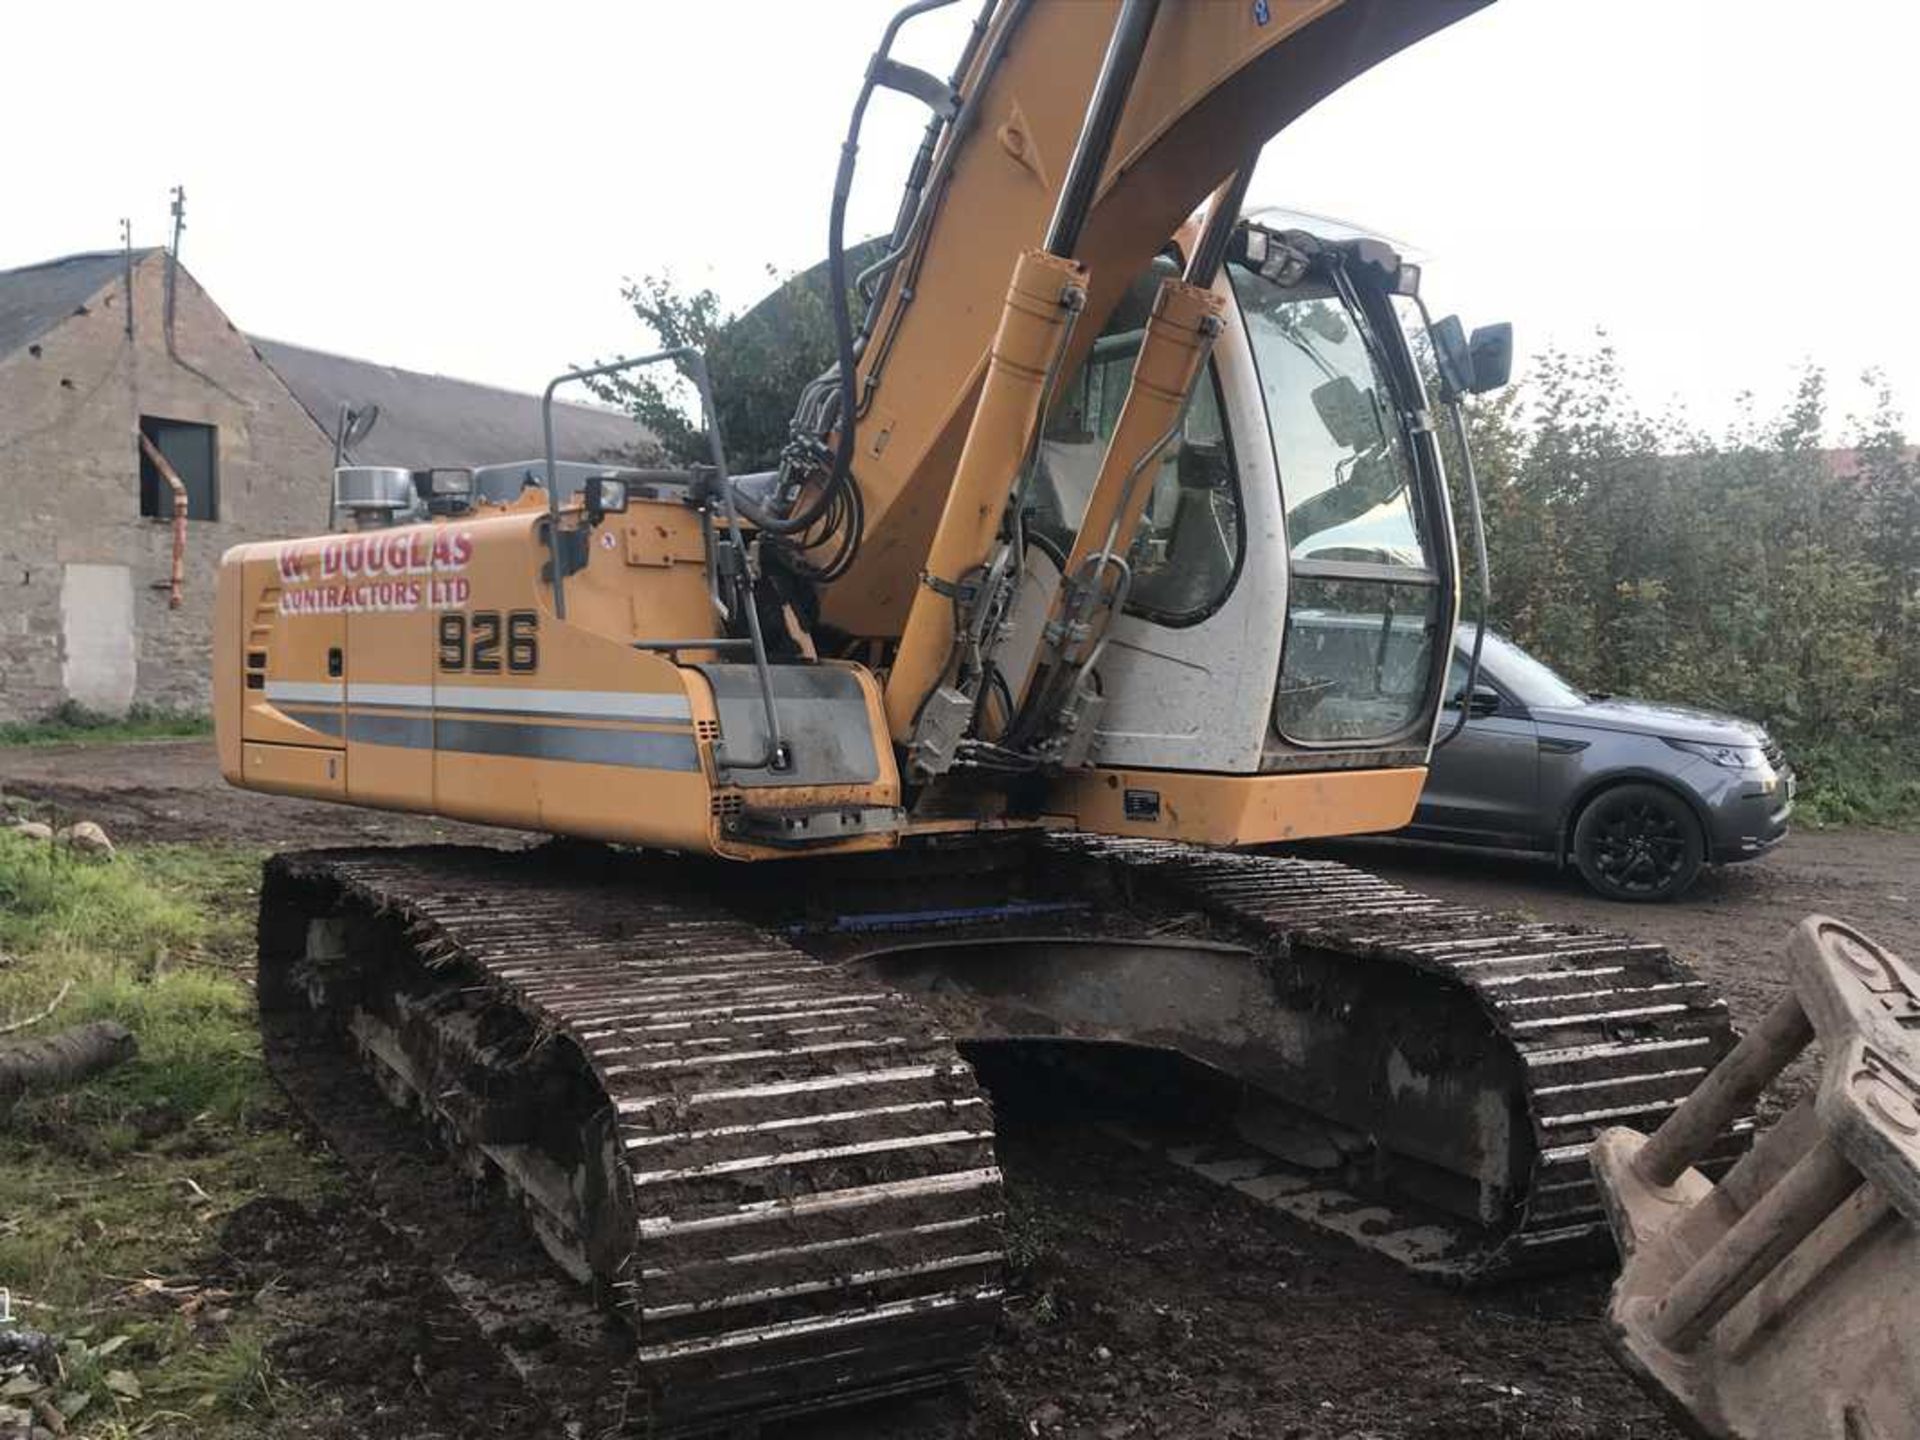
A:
[1731,757]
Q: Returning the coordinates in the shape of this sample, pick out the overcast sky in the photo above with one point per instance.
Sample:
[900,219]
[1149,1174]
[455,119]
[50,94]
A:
[1725,185]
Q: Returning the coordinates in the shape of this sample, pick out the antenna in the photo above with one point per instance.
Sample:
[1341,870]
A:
[126,249]
[173,257]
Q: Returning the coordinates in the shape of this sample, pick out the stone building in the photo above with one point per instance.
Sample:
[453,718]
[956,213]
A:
[88,365]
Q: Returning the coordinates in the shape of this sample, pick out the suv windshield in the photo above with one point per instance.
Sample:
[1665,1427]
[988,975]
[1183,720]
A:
[1365,603]
[1528,680]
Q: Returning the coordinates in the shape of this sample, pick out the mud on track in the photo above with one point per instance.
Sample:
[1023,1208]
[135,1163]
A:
[1150,1304]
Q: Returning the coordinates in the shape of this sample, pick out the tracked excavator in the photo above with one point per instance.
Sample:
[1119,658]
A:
[1115,544]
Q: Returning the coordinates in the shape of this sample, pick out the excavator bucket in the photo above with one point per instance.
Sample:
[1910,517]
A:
[1783,1302]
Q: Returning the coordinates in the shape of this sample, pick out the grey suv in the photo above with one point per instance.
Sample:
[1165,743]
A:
[1637,795]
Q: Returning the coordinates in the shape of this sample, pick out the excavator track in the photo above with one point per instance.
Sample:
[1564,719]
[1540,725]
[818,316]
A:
[782,1181]
[1606,1030]
[726,1109]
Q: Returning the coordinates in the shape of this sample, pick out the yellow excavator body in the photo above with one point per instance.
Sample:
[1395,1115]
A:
[434,669]
[467,698]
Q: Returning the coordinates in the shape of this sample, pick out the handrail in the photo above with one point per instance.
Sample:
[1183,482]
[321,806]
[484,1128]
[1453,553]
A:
[777,755]
[1459,423]
[552,477]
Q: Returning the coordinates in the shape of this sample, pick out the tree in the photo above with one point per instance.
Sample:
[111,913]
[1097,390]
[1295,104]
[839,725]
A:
[1889,500]
[1755,572]
[759,360]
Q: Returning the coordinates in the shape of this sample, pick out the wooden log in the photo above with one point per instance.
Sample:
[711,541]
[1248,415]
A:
[64,1059]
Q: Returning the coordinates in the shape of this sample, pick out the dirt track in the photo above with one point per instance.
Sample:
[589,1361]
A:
[1150,1304]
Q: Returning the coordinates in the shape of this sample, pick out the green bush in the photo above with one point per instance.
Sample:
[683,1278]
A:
[1858,782]
[1756,571]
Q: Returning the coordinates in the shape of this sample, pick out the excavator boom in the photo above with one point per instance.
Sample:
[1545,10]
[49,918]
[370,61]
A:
[1213,83]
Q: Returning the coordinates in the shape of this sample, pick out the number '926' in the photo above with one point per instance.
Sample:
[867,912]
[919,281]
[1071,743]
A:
[485,642]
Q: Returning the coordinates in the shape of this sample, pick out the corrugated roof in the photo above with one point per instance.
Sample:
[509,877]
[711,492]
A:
[35,298]
[430,420]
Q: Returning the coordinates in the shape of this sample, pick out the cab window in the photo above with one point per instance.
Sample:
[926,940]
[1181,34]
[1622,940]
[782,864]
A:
[1364,598]
[1188,549]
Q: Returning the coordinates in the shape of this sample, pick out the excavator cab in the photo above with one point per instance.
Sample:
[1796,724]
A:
[1303,487]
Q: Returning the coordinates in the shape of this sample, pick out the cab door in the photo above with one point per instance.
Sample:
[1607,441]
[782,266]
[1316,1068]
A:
[1188,666]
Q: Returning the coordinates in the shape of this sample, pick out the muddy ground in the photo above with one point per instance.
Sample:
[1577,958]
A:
[1150,1304]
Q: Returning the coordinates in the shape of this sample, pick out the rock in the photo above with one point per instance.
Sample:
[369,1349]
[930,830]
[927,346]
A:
[87,838]
[1045,1416]
[529,1332]
[21,1346]
[32,829]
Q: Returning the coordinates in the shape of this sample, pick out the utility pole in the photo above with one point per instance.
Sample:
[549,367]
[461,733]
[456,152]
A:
[173,258]
[126,250]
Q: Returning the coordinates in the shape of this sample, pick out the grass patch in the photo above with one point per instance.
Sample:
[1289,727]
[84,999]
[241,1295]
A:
[73,724]
[157,940]
[236,1376]
[118,1186]
[1859,782]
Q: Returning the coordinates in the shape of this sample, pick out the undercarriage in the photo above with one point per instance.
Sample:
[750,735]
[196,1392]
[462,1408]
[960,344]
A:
[744,1112]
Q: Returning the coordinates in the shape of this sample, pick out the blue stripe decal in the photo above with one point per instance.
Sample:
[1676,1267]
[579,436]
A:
[639,749]
[634,749]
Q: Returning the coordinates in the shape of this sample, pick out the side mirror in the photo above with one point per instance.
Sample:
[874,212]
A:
[1491,356]
[360,422]
[1452,355]
[354,425]
[1471,367]
[1484,701]
[604,495]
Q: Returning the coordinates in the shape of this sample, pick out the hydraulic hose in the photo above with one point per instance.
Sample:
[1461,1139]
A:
[837,245]
[840,473]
